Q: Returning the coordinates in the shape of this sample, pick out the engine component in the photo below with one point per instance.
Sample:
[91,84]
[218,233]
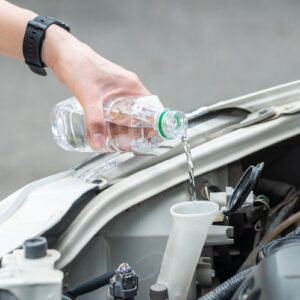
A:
[291,220]
[204,272]
[279,220]
[277,277]
[274,190]
[222,197]
[244,187]
[191,221]
[275,245]
[124,284]
[226,290]
[35,248]
[159,292]
[29,274]
[219,235]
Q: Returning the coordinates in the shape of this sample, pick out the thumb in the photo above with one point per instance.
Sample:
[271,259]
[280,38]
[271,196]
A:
[94,118]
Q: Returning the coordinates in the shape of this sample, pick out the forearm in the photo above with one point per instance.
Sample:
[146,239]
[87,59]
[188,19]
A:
[13,21]
[91,78]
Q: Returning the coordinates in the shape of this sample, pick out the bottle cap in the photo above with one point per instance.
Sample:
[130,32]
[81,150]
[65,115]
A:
[170,123]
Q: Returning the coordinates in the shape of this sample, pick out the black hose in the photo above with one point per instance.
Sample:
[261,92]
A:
[291,207]
[227,289]
[90,285]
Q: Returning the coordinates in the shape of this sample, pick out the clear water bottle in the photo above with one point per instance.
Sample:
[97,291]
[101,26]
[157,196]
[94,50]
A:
[133,124]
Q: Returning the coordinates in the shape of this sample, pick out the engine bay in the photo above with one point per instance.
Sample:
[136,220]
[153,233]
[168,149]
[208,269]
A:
[252,237]
[250,250]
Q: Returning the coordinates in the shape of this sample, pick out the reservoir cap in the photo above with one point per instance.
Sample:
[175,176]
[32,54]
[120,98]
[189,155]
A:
[244,187]
[35,248]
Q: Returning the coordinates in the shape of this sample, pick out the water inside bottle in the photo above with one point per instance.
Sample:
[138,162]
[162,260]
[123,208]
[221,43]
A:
[187,149]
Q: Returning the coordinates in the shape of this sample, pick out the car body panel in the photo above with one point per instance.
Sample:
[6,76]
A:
[219,134]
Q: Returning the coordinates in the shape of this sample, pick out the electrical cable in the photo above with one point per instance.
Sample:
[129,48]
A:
[90,285]
[226,290]
[261,199]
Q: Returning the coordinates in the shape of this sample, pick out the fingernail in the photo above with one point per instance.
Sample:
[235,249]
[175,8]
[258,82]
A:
[98,139]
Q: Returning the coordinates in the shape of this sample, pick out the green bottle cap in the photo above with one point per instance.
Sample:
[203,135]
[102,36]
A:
[161,121]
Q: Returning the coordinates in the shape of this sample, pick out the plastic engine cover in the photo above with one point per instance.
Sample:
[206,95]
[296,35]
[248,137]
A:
[277,277]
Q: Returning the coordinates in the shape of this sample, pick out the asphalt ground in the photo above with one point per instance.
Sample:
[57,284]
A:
[191,53]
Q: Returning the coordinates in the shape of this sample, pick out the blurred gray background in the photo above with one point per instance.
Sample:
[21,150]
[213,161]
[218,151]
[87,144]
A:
[189,52]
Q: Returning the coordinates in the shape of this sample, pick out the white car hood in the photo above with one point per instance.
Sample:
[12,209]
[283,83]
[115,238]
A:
[37,207]
[263,119]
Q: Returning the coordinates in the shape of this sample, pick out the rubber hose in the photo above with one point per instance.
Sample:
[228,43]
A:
[90,285]
[290,207]
[284,225]
[227,289]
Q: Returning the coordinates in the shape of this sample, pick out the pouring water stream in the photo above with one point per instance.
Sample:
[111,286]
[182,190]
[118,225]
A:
[187,149]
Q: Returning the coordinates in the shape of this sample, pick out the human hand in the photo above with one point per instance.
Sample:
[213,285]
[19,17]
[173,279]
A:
[91,78]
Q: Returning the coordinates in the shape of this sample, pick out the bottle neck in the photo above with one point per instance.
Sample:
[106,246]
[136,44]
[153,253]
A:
[172,124]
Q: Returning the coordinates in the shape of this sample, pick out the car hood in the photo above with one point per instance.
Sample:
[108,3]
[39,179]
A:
[102,187]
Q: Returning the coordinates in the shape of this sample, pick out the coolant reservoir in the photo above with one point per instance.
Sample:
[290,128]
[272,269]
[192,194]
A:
[191,221]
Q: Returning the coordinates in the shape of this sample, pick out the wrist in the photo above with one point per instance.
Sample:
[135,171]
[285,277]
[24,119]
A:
[61,52]
[64,54]
[54,45]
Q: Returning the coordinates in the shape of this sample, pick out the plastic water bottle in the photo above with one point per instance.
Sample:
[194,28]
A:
[133,124]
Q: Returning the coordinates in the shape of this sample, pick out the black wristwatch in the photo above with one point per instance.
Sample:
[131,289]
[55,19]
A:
[33,41]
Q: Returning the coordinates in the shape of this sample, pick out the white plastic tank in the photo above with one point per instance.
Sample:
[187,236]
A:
[191,221]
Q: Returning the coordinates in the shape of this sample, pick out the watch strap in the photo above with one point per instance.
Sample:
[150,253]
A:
[33,42]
